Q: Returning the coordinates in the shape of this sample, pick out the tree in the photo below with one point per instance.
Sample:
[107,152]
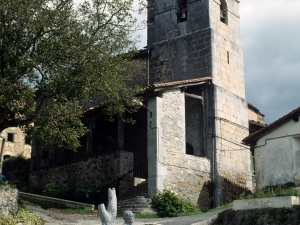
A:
[54,56]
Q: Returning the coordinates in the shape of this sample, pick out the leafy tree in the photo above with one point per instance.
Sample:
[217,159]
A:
[55,55]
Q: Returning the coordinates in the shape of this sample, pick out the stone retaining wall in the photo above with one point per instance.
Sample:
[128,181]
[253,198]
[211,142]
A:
[8,200]
[87,174]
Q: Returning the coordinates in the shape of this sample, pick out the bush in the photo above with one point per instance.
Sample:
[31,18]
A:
[169,205]
[53,190]
[16,170]
[23,216]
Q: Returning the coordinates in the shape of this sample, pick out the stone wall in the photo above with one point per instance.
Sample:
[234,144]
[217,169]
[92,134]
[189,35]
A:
[8,200]
[178,50]
[231,124]
[169,166]
[231,190]
[189,177]
[228,65]
[17,146]
[87,174]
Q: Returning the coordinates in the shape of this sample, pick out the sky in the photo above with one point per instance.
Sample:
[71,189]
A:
[270,36]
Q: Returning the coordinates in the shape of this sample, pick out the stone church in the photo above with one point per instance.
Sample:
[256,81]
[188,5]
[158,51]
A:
[188,133]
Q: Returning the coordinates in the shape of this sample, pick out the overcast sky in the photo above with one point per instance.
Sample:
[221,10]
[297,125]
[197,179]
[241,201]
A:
[270,35]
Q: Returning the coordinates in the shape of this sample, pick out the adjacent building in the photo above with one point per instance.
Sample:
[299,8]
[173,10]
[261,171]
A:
[276,150]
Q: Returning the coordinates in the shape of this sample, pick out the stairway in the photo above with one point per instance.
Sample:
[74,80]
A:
[136,200]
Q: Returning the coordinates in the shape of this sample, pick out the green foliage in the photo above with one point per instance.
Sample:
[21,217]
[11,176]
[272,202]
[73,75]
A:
[169,205]
[273,191]
[16,169]
[23,216]
[55,55]
[53,190]
[252,217]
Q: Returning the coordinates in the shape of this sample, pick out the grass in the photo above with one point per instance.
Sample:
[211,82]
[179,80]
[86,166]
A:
[58,207]
[287,189]
[146,216]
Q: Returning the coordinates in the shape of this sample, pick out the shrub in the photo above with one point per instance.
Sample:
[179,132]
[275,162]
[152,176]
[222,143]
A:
[16,170]
[169,205]
[23,216]
[53,190]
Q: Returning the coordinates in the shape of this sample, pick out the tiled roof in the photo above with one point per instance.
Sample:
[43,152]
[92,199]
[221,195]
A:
[180,82]
[257,134]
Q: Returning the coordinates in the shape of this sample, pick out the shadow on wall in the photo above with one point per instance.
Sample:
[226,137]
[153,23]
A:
[205,199]
[231,191]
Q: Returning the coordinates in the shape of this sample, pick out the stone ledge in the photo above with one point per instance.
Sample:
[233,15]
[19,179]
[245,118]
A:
[259,203]
[67,202]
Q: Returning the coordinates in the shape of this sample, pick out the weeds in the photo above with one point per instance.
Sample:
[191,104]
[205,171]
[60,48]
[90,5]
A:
[272,191]
[23,216]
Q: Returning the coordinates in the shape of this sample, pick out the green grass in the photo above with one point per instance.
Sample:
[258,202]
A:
[287,189]
[145,216]
[55,205]
[44,204]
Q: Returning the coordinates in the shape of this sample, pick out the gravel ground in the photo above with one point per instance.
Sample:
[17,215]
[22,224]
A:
[53,218]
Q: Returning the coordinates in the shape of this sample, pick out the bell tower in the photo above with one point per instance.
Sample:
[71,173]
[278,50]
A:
[190,40]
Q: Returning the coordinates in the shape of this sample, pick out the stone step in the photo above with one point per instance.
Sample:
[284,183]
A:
[137,204]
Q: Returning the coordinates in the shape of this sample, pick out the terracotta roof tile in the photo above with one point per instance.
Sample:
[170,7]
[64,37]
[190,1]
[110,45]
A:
[180,82]
[257,134]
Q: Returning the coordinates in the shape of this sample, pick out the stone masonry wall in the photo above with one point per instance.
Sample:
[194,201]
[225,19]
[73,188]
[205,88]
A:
[86,174]
[183,58]
[18,145]
[189,177]
[178,51]
[169,167]
[8,200]
[231,124]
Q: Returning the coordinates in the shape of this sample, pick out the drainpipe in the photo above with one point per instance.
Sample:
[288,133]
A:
[148,67]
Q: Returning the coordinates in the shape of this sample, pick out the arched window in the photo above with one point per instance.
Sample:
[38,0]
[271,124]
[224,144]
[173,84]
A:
[189,149]
[182,11]
[223,12]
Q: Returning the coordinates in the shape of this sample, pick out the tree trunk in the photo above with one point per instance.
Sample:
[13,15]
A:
[1,154]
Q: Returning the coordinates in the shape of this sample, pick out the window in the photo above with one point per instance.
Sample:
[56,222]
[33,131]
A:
[227,57]
[223,12]
[182,11]
[10,137]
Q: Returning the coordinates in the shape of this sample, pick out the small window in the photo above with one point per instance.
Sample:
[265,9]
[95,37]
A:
[227,57]
[10,137]
[182,11]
